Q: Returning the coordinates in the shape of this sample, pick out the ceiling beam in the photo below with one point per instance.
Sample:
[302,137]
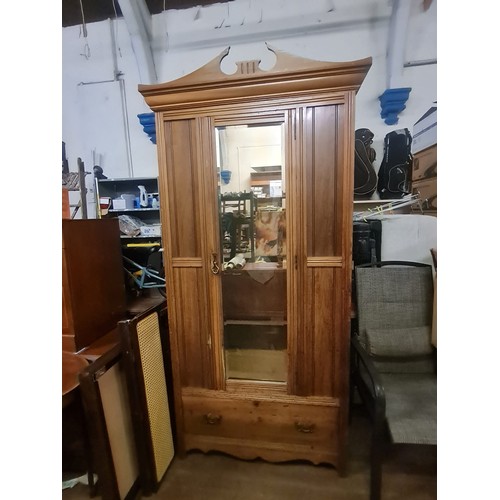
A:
[396,46]
[394,98]
[277,28]
[138,21]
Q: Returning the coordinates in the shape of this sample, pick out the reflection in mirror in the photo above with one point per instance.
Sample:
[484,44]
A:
[251,182]
[250,165]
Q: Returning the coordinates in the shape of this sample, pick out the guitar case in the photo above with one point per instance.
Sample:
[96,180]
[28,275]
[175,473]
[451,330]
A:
[394,174]
[365,177]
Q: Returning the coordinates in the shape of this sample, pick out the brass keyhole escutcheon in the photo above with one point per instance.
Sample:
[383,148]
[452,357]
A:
[215,268]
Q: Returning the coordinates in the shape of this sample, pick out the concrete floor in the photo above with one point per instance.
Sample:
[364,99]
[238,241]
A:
[408,472]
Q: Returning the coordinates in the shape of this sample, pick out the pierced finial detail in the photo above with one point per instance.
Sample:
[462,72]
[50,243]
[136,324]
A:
[248,67]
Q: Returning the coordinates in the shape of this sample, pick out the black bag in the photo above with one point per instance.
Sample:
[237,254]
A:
[395,170]
[367,242]
[366,246]
[365,177]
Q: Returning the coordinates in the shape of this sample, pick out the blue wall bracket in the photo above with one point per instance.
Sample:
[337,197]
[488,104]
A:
[392,102]
[225,176]
[147,120]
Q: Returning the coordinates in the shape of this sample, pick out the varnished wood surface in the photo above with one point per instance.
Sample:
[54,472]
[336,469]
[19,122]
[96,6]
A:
[93,286]
[65,204]
[183,200]
[323,135]
[245,297]
[291,75]
[137,305]
[253,427]
[72,365]
[187,251]
[315,102]
[101,346]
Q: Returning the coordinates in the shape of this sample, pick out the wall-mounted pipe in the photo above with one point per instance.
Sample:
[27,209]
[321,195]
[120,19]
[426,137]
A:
[123,95]
[423,62]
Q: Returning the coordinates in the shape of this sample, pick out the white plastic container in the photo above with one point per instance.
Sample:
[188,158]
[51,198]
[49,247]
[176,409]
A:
[151,230]
[129,200]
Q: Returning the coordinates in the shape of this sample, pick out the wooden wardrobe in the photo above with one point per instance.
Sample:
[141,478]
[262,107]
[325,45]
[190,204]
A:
[260,353]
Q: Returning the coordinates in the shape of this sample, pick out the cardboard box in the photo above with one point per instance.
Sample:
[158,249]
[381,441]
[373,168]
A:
[425,130]
[424,164]
[427,191]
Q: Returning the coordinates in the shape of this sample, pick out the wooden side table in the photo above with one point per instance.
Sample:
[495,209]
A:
[72,365]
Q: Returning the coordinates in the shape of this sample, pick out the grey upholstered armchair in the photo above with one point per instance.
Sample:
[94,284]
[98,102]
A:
[393,360]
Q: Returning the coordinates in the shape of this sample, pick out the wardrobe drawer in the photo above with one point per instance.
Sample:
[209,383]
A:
[285,423]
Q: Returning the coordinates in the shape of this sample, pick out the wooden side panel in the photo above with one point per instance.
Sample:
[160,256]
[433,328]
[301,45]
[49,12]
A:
[183,214]
[322,283]
[193,328]
[323,261]
[329,321]
[320,341]
[323,161]
[184,191]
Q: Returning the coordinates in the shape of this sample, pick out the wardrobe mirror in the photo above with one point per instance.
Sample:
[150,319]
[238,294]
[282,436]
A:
[252,216]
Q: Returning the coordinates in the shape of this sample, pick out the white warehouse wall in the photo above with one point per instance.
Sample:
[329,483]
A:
[99,115]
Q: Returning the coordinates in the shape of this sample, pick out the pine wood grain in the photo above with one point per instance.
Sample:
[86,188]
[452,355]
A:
[315,103]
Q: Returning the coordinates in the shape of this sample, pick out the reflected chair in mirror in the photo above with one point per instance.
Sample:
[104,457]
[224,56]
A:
[145,349]
[393,360]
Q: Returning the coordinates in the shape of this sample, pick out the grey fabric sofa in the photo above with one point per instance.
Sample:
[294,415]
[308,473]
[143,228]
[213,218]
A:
[393,361]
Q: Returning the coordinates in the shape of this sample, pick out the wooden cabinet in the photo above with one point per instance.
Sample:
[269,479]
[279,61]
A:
[93,287]
[260,352]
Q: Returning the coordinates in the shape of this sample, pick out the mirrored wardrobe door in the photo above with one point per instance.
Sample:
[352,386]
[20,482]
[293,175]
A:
[252,219]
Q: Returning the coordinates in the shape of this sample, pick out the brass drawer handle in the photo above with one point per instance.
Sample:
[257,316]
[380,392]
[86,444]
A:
[306,427]
[212,418]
